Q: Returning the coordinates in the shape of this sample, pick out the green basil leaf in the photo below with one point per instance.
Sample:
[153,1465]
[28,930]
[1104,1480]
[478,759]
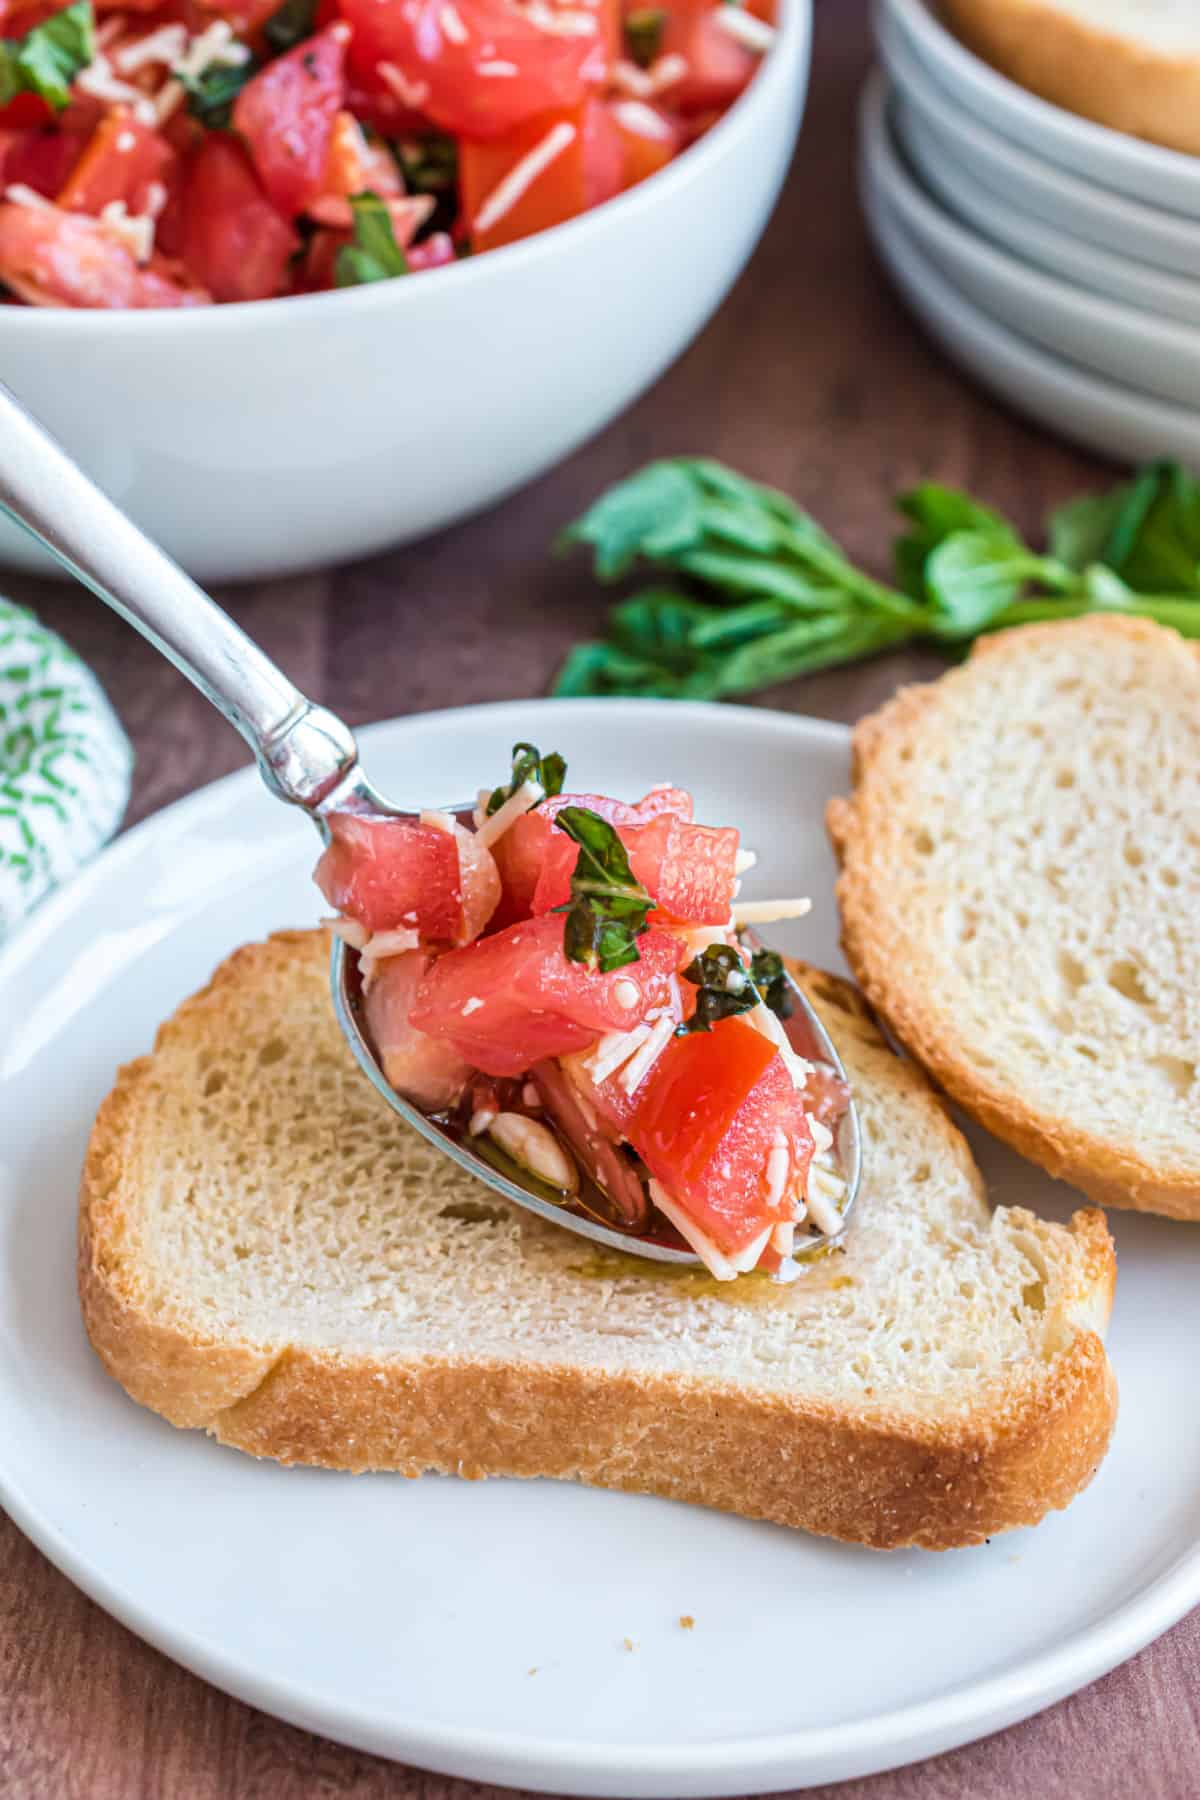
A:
[606,913]
[643,34]
[210,96]
[724,988]
[973,575]
[937,513]
[295,21]
[772,981]
[528,764]
[654,514]
[47,59]
[374,255]
[429,163]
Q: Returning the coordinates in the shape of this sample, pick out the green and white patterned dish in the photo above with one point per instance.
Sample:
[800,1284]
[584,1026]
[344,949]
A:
[65,764]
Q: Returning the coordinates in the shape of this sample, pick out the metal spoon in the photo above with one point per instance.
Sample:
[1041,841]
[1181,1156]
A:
[306,756]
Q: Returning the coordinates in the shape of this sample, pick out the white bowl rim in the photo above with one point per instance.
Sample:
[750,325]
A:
[1147,161]
[903,190]
[1103,264]
[950,113]
[791,47]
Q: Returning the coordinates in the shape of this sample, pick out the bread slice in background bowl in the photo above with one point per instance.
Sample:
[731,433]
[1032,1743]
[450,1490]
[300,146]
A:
[1133,65]
[268,1254]
[1020,897]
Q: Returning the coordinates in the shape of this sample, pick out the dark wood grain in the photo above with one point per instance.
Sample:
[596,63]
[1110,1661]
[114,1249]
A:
[812,377]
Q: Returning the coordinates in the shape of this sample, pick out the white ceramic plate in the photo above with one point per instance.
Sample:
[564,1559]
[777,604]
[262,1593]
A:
[1155,355]
[1101,415]
[1073,207]
[1164,178]
[982,209]
[405,1617]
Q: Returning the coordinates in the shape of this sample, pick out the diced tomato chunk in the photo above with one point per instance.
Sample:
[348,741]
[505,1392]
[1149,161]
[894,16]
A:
[521,853]
[393,874]
[689,870]
[514,998]
[233,239]
[718,66]
[286,115]
[428,1071]
[451,56]
[706,1123]
[547,156]
[650,139]
[51,257]
[40,158]
[119,162]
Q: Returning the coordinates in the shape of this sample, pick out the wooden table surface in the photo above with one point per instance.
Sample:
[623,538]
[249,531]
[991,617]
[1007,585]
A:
[813,378]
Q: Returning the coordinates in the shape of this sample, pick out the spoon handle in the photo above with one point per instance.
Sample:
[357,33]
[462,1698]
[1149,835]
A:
[303,752]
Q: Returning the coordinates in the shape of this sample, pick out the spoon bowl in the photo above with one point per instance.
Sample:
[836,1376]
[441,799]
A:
[307,757]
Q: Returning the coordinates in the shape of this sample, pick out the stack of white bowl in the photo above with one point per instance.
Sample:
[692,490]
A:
[1057,261]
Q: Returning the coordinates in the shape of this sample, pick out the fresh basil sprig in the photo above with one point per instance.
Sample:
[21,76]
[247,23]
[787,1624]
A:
[752,592]
[528,764]
[47,59]
[374,255]
[606,913]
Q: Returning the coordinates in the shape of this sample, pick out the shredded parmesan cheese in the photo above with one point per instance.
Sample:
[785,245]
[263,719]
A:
[498,66]
[99,83]
[745,859]
[643,121]
[451,22]
[522,175]
[440,821]
[133,231]
[21,195]
[715,1261]
[644,84]
[214,48]
[412,94]
[644,1059]
[779,1165]
[558,21]
[614,1049]
[822,1137]
[741,25]
[765,912]
[349,930]
[525,798]
[165,46]
[481,1119]
[825,1192]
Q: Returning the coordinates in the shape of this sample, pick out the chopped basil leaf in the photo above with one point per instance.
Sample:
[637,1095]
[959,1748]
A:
[210,96]
[771,980]
[288,27]
[47,59]
[429,163]
[528,764]
[643,34]
[606,913]
[374,255]
[725,987]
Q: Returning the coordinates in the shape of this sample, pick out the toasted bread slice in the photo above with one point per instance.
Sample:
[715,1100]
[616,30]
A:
[1020,897]
[1133,65]
[268,1253]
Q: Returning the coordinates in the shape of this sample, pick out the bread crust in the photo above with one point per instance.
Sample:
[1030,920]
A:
[869,1475]
[1101,75]
[1112,1174]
